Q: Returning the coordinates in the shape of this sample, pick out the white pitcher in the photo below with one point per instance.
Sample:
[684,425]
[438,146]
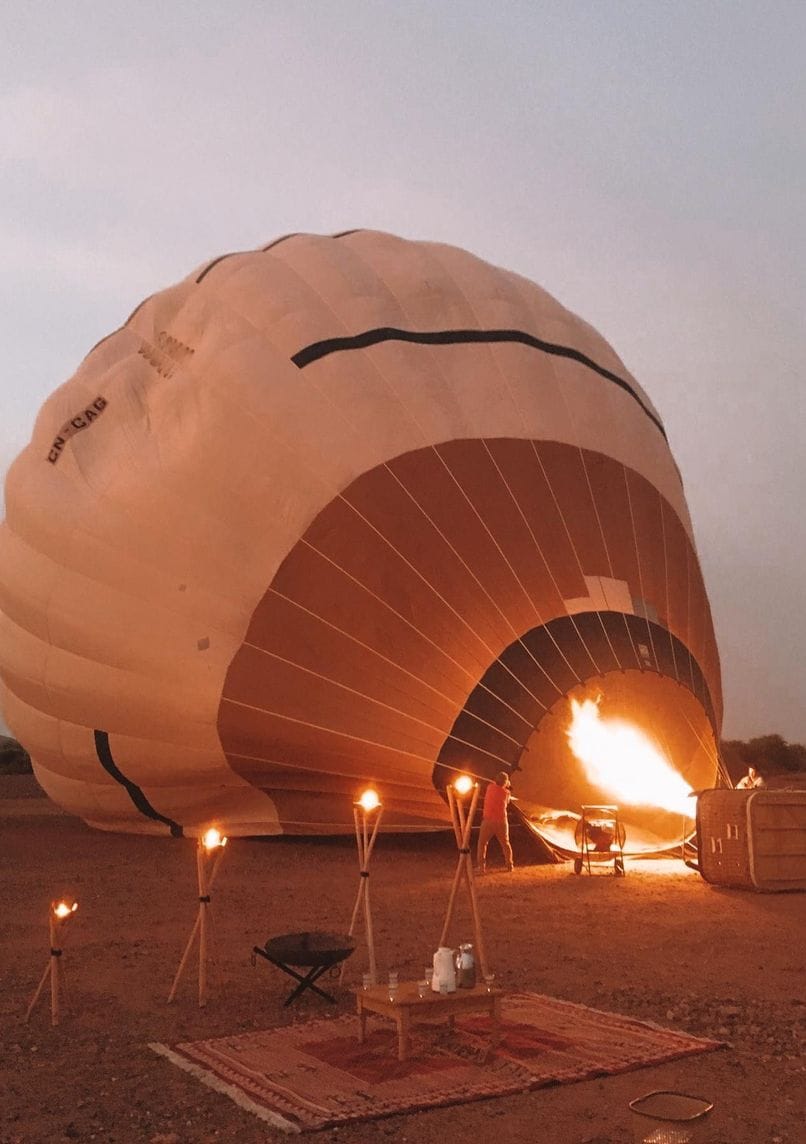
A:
[444,970]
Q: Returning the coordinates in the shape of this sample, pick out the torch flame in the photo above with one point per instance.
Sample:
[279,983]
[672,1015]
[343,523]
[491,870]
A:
[63,910]
[621,760]
[463,784]
[369,800]
[212,839]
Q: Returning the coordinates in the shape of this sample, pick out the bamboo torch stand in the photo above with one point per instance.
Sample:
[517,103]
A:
[363,810]
[59,914]
[211,841]
[462,818]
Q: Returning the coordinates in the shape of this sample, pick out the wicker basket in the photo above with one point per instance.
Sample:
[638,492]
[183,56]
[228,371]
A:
[724,856]
[754,839]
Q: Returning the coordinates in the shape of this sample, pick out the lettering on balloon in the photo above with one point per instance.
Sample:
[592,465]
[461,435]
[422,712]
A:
[162,364]
[166,354]
[173,347]
[81,421]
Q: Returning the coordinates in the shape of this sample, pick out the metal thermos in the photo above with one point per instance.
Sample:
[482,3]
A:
[465,966]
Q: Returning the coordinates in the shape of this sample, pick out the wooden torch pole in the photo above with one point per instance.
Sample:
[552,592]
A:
[204,901]
[462,821]
[368,848]
[367,805]
[58,915]
[55,969]
[200,925]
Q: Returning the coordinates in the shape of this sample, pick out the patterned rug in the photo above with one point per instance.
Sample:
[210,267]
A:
[316,1075]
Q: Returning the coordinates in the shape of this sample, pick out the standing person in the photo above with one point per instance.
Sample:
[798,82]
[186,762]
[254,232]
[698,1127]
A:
[751,780]
[494,822]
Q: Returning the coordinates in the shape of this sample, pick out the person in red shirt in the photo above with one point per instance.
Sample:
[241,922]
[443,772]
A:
[494,821]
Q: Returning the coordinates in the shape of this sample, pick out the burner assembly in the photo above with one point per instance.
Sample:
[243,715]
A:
[600,837]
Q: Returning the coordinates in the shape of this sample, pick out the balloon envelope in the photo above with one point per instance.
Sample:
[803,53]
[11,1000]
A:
[347,510]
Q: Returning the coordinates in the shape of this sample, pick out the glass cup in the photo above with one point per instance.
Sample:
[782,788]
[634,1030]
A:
[393,979]
[489,981]
[366,981]
[428,975]
[422,988]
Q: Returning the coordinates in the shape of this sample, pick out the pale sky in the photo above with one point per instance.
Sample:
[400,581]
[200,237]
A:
[645,162]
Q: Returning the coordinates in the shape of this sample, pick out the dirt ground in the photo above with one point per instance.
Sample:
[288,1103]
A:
[659,944]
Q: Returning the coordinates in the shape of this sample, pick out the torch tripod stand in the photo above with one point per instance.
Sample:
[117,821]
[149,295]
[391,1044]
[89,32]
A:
[462,821]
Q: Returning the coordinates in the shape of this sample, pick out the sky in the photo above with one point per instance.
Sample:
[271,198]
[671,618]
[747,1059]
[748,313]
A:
[645,162]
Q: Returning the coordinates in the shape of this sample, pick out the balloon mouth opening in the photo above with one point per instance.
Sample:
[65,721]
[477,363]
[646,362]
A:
[628,747]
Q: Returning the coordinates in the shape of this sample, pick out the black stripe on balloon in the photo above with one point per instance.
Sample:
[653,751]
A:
[104,753]
[318,350]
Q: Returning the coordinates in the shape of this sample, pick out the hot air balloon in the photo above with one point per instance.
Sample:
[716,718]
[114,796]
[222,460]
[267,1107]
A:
[353,509]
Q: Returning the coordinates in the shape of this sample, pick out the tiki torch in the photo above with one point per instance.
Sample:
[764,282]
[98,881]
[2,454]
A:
[209,852]
[366,810]
[462,817]
[59,914]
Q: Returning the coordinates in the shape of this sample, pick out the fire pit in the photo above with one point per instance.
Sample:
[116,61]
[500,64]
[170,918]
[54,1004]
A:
[312,950]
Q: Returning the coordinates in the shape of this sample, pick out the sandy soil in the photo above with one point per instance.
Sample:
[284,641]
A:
[659,943]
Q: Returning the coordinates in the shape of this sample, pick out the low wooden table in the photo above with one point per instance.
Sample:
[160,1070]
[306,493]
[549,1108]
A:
[409,1006]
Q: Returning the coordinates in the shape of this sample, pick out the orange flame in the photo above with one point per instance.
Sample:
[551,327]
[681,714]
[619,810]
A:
[463,784]
[212,839]
[63,910]
[369,800]
[622,761]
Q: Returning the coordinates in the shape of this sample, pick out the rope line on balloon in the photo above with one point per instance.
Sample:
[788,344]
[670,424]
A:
[360,694]
[359,643]
[485,526]
[715,754]
[498,697]
[430,585]
[408,623]
[638,564]
[574,549]
[386,659]
[408,753]
[545,563]
[607,553]
[517,637]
